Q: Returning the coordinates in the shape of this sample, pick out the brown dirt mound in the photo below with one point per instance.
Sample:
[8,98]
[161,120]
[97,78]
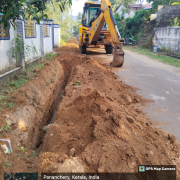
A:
[98,126]
[35,102]
[99,123]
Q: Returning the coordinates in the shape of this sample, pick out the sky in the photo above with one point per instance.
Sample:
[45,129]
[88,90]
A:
[77,6]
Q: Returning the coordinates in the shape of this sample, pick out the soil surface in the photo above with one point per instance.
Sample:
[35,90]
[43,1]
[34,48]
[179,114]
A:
[98,122]
[98,125]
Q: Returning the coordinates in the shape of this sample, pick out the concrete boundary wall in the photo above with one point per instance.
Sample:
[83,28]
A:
[168,38]
[6,62]
[56,35]
[43,45]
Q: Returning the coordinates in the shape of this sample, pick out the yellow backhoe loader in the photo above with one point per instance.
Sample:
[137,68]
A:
[99,28]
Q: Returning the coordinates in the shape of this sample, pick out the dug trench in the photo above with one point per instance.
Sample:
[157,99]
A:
[97,126]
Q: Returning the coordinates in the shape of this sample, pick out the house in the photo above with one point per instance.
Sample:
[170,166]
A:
[122,11]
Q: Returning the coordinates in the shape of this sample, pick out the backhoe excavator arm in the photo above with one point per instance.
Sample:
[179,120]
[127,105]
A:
[107,16]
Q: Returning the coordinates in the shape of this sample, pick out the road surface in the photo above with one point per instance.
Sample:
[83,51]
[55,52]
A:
[156,81]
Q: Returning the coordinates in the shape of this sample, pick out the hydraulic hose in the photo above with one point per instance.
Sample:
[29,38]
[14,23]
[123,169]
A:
[114,21]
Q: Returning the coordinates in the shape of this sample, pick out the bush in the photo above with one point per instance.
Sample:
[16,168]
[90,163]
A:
[120,25]
[134,24]
[66,36]
[175,3]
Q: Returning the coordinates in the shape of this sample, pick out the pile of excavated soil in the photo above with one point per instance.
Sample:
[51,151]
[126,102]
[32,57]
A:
[99,127]
[35,103]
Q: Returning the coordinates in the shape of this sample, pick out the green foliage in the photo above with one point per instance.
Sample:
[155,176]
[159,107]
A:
[19,47]
[22,149]
[50,57]
[38,66]
[63,19]
[120,25]
[175,3]
[76,83]
[7,105]
[10,105]
[79,18]
[5,128]
[66,36]
[132,26]
[76,29]
[45,128]
[34,154]
[117,3]
[17,84]
[156,3]
[11,10]
[63,42]
[7,165]
[176,23]
[14,9]
[76,25]
[2,98]
[19,81]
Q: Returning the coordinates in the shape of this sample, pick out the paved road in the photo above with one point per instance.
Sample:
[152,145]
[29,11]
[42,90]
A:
[155,81]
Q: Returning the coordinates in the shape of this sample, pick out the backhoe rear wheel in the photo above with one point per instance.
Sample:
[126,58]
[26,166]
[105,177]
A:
[82,49]
[108,49]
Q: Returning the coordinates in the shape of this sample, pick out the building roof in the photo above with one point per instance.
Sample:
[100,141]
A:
[146,6]
[139,6]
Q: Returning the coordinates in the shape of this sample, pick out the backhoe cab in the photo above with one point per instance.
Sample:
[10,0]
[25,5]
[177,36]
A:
[99,28]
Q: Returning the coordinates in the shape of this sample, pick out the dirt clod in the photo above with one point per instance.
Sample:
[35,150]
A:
[171,138]
[72,152]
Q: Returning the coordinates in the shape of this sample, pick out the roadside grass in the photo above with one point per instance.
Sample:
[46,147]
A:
[20,80]
[6,128]
[50,57]
[5,104]
[39,66]
[18,83]
[162,58]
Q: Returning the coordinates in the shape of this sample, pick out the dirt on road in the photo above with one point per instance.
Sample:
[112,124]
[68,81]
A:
[98,125]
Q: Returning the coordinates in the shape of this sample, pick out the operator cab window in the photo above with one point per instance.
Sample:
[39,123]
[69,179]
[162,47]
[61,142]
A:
[89,15]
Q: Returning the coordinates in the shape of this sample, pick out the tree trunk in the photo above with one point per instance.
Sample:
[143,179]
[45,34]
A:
[170,2]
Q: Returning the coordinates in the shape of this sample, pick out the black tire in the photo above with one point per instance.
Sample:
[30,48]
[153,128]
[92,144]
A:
[82,49]
[108,49]
[134,43]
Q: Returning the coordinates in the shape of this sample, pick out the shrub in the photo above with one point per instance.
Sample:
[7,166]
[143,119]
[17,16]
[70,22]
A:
[175,3]
[134,24]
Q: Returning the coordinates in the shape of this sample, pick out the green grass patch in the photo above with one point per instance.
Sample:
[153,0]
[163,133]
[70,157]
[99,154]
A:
[10,105]
[162,58]
[76,83]
[3,98]
[7,165]
[39,66]
[17,84]
[20,80]
[7,105]
[50,57]
[6,128]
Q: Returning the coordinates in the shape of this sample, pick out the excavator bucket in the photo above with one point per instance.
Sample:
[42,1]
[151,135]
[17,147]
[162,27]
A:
[118,57]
